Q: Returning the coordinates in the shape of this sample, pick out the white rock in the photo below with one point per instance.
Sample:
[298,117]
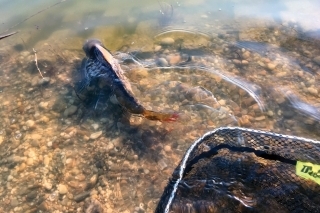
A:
[95,126]
[95,135]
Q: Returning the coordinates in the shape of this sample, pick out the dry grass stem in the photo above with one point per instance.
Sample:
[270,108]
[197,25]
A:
[36,61]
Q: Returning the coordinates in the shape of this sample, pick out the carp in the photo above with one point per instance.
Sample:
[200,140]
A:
[102,71]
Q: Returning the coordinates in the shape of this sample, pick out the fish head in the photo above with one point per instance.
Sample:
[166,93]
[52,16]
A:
[89,45]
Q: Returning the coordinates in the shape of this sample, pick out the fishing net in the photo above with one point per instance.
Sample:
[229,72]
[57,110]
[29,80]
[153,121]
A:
[234,169]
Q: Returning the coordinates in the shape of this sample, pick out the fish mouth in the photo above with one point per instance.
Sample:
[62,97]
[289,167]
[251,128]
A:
[89,46]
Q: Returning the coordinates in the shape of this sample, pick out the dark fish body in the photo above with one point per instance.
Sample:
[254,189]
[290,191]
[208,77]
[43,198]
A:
[102,70]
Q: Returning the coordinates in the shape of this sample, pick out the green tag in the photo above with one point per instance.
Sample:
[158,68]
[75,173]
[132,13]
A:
[309,171]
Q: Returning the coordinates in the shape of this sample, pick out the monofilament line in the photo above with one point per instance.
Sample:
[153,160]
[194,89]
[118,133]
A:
[36,61]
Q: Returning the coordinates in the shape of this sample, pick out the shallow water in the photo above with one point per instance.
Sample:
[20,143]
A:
[238,63]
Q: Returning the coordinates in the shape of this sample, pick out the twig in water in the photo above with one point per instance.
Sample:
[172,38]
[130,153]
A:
[36,61]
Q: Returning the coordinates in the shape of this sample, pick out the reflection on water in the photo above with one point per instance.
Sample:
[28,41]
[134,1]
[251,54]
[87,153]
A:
[230,63]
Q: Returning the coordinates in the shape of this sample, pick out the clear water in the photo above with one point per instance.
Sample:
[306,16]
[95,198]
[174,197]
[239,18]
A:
[246,63]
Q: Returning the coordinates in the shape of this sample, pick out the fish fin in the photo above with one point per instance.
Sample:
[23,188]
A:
[83,82]
[160,116]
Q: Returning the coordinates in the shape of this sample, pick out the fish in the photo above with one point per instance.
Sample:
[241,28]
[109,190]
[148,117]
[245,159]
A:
[103,72]
[7,35]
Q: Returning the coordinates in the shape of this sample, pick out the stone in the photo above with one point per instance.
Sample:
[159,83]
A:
[162,62]
[43,105]
[59,105]
[167,41]
[167,148]
[162,164]
[44,81]
[246,55]
[244,62]
[110,146]
[80,197]
[222,102]
[244,121]
[174,59]
[157,48]
[32,195]
[95,126]
[260,118]
[70,110]
[62,189]
[1,139]
[95,135]
[34,81]
[271,66]
[35,136]
[47,185]
[92,182]
[30,124]
[14,202]
[312,91]
[317,60]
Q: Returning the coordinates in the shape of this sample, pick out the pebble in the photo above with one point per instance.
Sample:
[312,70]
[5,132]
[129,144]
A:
[110,146]
[62,189]
[167,148]
[43,105]
[174,59]
[167,41]
[95,126]
[80,197]
[1,139]
[162,62]
[30,124]
[162,164]
[244,62]
[157,48]
[222,102]
[246,55]
[70,110]
[271,66]
[244,121]
[317,60]
[92,182]
[95,135]
[312,91]
[34,81]
[236,61]
[35,136]
[44,81]
[261,118]
[47,185]
[14,202]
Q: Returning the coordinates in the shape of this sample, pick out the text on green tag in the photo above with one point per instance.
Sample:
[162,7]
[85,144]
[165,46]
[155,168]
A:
[308,170]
